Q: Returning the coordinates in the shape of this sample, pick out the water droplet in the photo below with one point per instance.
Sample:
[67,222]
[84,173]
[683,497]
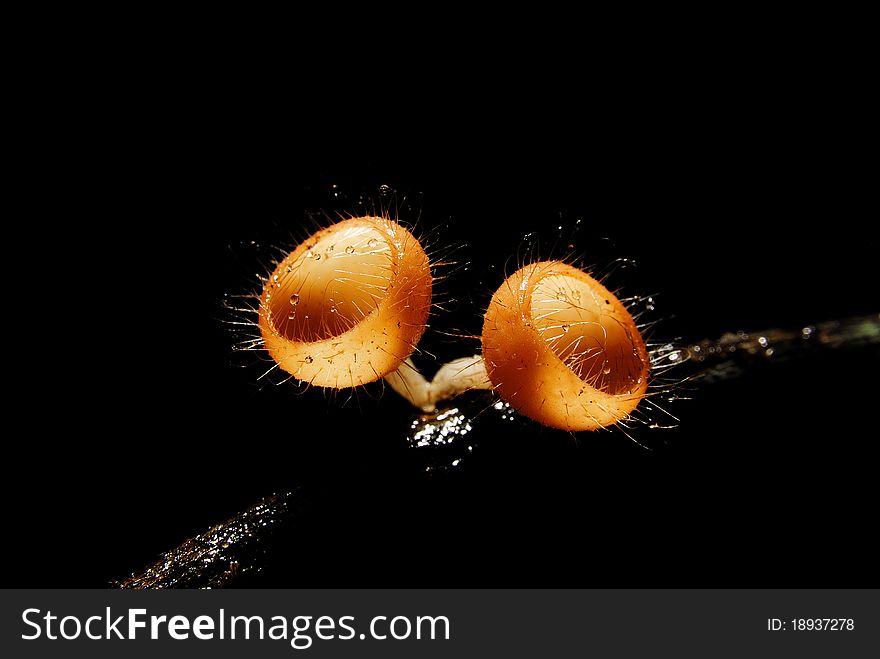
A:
[317,256]
[292,315]
[763,341]
[561,296]
[308,359]
[565,328]
[274,277]
[349,249]
[606,370]
[371,243]
[330,249]
[294,299]
[384,189]
[333,309]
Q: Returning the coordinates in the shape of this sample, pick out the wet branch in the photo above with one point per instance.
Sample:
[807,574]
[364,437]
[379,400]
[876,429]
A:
[227,553]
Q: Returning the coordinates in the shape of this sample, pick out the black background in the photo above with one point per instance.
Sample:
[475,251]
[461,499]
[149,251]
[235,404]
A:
[742,199]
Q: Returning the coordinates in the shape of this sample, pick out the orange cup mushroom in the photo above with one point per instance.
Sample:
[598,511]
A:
[348,305]
[562,349]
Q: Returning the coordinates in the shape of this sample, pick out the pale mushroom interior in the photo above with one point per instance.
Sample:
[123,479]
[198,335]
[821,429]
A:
[330,285]
[584,329]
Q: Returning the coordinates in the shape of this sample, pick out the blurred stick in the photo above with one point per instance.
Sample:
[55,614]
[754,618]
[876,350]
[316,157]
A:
[733,354]
[224,553]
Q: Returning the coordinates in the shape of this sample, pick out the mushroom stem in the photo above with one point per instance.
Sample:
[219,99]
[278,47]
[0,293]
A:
[451,379]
